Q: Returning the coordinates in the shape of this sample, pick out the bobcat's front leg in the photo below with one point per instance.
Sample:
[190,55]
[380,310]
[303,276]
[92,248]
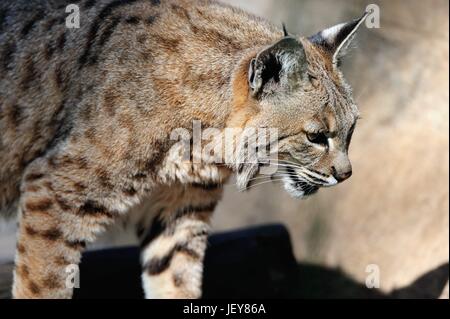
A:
[173,248]
[57,218]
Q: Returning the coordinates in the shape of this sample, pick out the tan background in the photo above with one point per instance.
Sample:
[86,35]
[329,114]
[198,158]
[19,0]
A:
[393,212]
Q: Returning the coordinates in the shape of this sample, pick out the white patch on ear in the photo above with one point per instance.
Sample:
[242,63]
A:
[335,30]
[331,33]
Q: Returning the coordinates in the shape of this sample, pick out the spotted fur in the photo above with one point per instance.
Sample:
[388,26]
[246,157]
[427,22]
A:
[86,115]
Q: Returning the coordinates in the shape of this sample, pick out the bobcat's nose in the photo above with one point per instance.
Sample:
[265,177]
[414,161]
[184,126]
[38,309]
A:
[342,175]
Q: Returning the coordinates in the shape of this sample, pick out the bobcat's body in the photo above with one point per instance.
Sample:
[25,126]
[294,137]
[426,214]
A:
[92,86]
[85,120]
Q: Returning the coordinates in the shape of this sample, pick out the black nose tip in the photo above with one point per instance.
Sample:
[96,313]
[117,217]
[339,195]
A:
[342,176]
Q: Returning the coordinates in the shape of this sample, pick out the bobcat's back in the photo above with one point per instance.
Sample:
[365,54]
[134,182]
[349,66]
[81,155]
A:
[53,78]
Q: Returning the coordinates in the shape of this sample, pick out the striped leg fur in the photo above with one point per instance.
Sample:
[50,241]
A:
[174,247]
[55,223]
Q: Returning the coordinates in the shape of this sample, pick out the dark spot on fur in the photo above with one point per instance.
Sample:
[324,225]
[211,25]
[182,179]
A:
[104,178]
[92,208]
[59,79]
[81,162]
[184,249]
[181,12]
[56,117]
[32,188]
[79,187]
[110,102]
[214,38]
[140,176]
[192,210]
[78,245]
[7,55]
[132,20]
[52,162]
[41,205]
[130,191]
[52,281]
[34,288]
[33,177]
[21,248]
[168,44]
[3,14]
[14,115]
[78,162]
[48,185]
[29,73]
[150,20]
[31,23]
[89,4]
[158,265]
[49,24]
[160,149]
[30,231]
[24,270]
[63,204]
[62,261]
[207,186]
[61,41]
[48,51]
[178,280]
[141,38]
[52,234]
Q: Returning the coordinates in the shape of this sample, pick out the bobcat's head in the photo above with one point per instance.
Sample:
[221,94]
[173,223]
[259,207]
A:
[297,88]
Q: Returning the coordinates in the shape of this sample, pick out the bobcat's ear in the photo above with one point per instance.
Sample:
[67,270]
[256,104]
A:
[337,39]
[279,67]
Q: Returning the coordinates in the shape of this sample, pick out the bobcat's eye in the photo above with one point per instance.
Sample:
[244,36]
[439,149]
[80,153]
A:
[318,138]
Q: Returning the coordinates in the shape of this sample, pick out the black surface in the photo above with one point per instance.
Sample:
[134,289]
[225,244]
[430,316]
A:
[254,263]
[251,263]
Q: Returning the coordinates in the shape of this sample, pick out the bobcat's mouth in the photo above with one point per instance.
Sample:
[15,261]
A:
[299,188]
[303,183]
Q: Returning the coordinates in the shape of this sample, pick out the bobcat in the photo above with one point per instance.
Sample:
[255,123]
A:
[86,115]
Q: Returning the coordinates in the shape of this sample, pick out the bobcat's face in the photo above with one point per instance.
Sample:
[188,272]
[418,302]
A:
[301,92]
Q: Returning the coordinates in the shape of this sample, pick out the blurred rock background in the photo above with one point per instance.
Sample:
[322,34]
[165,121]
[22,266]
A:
[394,211]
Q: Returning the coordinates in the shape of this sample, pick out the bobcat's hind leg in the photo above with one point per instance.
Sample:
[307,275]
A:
[174,246]
[57,218]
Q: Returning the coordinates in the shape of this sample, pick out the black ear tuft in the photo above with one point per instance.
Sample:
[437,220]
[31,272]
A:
[337,39]
[277,67]
[285,31]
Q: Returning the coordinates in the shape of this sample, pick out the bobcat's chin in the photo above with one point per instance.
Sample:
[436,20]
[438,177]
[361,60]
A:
[299,189]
